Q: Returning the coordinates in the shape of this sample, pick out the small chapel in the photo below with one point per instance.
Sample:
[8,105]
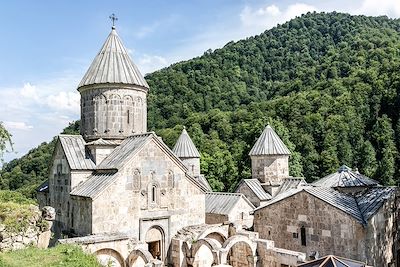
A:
[121,193]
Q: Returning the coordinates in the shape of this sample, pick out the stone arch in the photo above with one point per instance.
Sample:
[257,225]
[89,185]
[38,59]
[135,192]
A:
[139,255]
[155,238]
[211,244]
[214,233]
[108,255]
[236,240]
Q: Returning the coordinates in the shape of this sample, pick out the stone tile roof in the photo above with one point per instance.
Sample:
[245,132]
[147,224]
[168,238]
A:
[223,203]
[122,153]
[103,142]
[361,207]
[113,65]
[331,260]
[345,177]
[290,183]
[202,179]
[94,184]
[255,186]
[184,147]
[75,152]
[269,143]
[97,182]
[371,201]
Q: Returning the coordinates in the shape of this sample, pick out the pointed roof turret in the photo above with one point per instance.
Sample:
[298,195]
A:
[269,143]
[184,147]
[113,65]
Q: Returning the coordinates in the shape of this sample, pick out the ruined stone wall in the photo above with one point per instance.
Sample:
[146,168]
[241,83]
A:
[114,112]
[328,230]
[381,229]
[270,169]
[35,233]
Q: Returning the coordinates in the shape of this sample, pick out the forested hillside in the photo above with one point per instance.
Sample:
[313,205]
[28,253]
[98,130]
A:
[328,83]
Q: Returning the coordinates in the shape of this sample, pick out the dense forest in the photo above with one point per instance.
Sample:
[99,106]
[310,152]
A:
[328,83]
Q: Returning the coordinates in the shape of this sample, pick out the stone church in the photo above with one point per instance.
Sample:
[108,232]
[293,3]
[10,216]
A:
[120,192]
[116,176]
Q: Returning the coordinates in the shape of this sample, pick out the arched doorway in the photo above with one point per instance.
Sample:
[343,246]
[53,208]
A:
[204,253]
[156,242]
[238,251]
[139,258]
[109,257]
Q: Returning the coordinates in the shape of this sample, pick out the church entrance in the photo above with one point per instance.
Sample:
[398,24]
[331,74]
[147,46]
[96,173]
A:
[155,242]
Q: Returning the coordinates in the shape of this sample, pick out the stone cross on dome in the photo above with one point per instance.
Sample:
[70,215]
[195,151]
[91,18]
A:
[113,18]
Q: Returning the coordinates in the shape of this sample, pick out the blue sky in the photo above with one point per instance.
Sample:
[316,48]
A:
[46,46]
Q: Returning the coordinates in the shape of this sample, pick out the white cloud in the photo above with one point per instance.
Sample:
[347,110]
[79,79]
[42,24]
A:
[68,101]
[390,8]
[266,17]
[29,91]
[17,125]
[150,63]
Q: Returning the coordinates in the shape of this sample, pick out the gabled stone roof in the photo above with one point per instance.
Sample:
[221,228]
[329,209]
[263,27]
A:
[94,184]
[223,203]
[184,147]
[291,183]
[75,152]
[255,186]
[113,65]
[122,153]
[269,143]
[345,177]
[106,172]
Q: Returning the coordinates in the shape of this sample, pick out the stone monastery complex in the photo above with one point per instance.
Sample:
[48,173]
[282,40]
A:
[120,192]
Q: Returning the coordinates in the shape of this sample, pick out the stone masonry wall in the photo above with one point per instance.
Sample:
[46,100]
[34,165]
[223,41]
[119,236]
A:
[113,112]
[61,181]
[380,236]
[328,229]
[176,203]
[270,169]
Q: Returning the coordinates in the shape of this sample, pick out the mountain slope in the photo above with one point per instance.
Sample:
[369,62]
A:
[328,83]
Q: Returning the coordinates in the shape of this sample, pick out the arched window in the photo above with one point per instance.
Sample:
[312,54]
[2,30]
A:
[154,193]
[303,236]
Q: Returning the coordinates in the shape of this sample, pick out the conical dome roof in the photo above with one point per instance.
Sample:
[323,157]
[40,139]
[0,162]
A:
[345,177]
[184,147]
[113,65]
[269,143]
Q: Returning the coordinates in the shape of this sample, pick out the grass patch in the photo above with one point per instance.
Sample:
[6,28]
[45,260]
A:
[16,211]
[61,255]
